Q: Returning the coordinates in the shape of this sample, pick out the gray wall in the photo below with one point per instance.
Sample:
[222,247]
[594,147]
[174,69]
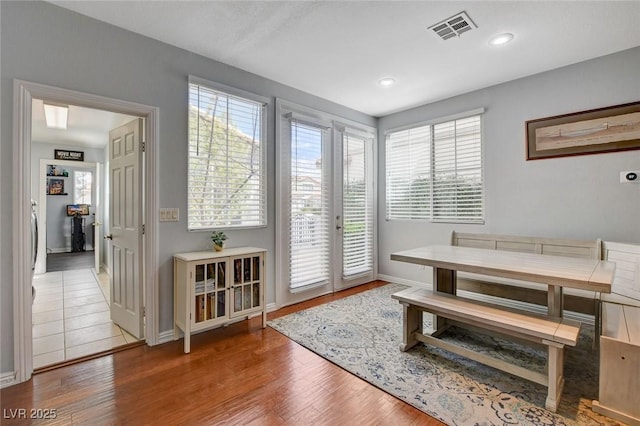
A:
[572,197]
[50,45]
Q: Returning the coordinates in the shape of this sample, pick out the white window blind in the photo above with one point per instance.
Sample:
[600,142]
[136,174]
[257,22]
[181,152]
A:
[226,160]
[434,172]
[457,171]
[357,205]
[408,167]
[309,246]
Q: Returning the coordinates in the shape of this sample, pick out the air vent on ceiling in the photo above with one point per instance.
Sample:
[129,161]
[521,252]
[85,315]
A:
[453,26]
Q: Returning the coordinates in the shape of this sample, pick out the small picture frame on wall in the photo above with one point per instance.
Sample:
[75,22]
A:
[614,128]
[56,187]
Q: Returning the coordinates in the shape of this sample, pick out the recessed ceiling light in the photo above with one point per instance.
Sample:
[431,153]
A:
[56,116]
[387,81]
[501,39]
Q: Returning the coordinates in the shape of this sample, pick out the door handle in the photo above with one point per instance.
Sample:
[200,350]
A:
[108,237]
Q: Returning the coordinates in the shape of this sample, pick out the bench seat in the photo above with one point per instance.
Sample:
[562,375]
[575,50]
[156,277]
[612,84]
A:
[555,333]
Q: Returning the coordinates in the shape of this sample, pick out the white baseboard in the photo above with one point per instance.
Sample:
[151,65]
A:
[391,279]
[7,379]
[271,307]
[103,268]
[58,250]
[165,337]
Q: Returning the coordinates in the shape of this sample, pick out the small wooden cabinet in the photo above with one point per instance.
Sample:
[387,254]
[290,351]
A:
[213,288]
[619,392]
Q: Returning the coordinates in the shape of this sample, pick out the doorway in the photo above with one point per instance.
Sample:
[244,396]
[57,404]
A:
[77,200]
[24,93]
[71,311]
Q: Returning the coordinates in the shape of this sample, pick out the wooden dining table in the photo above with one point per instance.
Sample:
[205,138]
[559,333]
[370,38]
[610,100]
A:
[557,272]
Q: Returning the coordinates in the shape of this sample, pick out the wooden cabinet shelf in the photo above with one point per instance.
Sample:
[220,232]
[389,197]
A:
[213,288]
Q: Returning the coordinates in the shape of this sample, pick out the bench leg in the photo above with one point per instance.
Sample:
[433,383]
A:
[412,323]
[555,366]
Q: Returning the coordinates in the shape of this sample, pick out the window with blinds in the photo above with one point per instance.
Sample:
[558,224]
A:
[309,245]
[434,172]
[357,205]
[226,160]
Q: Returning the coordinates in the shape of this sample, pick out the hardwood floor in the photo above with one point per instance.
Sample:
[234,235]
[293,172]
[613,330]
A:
[240,374]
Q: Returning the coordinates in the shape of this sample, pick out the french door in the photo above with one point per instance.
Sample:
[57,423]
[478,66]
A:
[326,200]
[355,208]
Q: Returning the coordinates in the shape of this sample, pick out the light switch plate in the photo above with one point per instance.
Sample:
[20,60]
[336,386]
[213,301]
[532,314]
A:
[169,215]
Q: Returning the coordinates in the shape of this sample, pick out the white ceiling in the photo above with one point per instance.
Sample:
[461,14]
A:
[338,50]
[85,126]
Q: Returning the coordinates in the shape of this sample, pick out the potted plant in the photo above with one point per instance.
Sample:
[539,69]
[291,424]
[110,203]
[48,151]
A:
[218,238]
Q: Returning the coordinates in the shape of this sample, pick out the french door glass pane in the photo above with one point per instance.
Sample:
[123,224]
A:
[82,187]
[357,207]
[308,208]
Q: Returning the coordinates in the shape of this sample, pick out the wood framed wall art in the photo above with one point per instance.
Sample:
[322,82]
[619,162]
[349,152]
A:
[614,128]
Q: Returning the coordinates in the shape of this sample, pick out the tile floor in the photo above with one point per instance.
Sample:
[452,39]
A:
[71,317]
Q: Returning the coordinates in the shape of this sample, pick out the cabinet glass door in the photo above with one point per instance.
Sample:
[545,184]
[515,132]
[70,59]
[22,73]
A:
[246,284]
[210,291]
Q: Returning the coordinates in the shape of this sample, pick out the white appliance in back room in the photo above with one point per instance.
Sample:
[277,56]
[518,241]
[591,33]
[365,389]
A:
[34,245]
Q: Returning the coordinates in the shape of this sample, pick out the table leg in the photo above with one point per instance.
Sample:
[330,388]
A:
[554,301]
[444,281]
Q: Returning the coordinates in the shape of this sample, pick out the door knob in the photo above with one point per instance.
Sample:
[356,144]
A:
[108,237]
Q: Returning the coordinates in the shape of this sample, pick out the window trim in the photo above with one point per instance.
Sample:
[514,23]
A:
[439,120]
[432,123]
[264,128]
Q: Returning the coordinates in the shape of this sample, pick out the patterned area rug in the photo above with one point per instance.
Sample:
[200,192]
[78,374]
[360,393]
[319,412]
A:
[362,334]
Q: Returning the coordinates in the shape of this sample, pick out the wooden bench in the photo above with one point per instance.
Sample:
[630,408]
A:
[575,300]
[619,391]
[555,333]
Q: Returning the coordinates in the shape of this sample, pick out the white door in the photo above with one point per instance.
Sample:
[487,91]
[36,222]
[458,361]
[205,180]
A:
[354,207]
[326,197]
[126,227]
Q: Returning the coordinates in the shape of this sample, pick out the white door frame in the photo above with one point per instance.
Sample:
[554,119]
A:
[23,93]
[41,259]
